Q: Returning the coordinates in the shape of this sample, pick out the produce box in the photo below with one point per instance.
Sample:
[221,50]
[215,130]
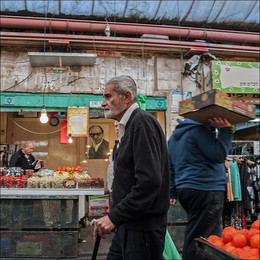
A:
[215,103]
[98,205]
[211,251]
[39,244]
[5,246]
[28,248]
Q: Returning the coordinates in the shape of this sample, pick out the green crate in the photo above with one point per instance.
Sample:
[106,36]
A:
[38,213]
[40,244]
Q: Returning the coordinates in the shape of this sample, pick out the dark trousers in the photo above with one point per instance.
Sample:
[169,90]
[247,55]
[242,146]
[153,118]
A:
[204,210]
[137,245]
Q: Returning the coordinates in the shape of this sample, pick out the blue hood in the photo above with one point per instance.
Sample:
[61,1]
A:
[185,125]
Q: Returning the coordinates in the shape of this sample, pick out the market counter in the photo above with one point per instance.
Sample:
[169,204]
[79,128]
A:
[16,193]
[41,222]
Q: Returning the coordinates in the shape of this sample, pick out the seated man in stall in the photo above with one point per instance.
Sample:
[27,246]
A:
[25,160]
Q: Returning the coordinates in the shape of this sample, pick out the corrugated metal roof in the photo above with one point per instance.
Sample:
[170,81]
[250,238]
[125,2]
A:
[225,14]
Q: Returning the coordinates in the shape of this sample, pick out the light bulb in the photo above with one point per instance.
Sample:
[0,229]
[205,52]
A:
[44,119]
[70,139]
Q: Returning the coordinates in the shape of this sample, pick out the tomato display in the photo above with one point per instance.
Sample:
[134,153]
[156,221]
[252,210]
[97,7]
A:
[256,224]
[213,238]
[219,243]
[70,169]
[239,240]
[255,241]
[244,243]
[251,232]
[227,234]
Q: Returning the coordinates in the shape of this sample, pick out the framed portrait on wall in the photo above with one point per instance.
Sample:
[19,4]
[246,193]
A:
[97,143]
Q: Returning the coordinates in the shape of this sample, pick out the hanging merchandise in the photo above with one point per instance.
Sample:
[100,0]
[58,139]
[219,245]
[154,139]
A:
[253,187]
[242,148]
[229,186]
[232,215]
[64,138]
[141,99]
[246,185]
[235,181]
[78,121]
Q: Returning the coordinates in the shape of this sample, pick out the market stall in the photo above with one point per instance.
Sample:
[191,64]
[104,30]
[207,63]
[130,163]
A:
[39,214]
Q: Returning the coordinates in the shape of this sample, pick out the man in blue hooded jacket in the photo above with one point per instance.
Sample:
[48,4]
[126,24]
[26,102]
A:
[198,176]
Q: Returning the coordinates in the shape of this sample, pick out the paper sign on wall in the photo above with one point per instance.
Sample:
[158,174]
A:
[177,96]
[78,121]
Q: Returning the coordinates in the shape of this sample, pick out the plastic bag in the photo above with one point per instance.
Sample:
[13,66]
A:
[170,252]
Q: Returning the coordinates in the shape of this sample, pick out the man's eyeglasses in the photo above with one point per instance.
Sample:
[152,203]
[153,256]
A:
[93,134]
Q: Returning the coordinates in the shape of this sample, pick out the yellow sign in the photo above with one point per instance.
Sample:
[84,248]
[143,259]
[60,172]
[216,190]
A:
[78,121]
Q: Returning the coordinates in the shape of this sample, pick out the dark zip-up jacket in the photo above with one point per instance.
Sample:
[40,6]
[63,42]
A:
[18,160]
[141,182]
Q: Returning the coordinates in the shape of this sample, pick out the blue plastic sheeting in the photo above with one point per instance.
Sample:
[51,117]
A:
[226,13]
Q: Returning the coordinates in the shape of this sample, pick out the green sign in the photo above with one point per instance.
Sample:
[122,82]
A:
[235,76]
[12,102]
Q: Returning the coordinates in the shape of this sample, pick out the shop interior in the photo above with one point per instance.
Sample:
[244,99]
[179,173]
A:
[17,128]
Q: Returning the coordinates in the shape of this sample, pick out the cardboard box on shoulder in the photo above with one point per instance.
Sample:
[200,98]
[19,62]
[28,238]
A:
[215,103]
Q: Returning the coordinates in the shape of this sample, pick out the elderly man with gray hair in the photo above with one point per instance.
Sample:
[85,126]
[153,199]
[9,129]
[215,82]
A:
[24,158]
[141,177]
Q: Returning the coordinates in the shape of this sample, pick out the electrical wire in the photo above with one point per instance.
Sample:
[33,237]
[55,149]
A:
[19,82]
[209,13]
[32,132]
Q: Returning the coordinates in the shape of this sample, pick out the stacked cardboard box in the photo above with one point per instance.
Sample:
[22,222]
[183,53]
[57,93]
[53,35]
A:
[215,103]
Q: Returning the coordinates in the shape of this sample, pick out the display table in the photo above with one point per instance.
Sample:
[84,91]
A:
[41,222]
[16,193]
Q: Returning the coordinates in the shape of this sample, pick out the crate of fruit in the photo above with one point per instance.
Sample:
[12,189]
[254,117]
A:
[232,244]
[212,252]
[70,183]
[84,183]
